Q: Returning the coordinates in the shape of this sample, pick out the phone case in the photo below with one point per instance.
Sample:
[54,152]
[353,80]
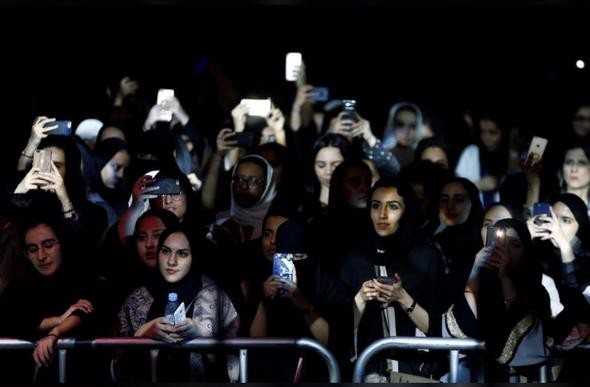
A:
[537,148]
[166,187]
[541,208]
[64,128]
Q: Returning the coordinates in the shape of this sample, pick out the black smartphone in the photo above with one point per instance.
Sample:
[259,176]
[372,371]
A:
[64,128]
[349,109]
[166,186]
[244,139]
[320,94]
[541,208]
[385,280]
[495,236]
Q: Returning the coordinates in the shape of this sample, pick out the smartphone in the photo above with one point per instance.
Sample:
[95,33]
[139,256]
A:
[293,62]
[42,160]
[258,107]
[536,149]
[320,94]
[166,186]
[244,139]
[385,280]
[495,236]
[349,109]
[163,96]
[541,208]
[64,128]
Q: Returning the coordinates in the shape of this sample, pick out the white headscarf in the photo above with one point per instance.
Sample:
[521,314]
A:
[389,132]
[254,215]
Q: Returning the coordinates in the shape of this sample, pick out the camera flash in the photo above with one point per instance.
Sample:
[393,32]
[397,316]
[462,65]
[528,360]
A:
[580,64]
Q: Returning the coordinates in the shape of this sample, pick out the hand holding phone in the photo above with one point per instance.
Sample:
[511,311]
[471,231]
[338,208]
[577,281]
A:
[319,94]
[243,139]
[166,186]
[385,280]
[536,150]
[349,110]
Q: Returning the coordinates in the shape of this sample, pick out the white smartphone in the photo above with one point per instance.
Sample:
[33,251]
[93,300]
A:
[293,62]
[180,314]
[537,148]
[164,95]
[258,107]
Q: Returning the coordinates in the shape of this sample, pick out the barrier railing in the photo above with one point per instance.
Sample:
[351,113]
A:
[452,345]
[241,344]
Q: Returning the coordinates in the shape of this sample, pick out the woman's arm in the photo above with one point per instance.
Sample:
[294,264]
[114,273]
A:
[258,327]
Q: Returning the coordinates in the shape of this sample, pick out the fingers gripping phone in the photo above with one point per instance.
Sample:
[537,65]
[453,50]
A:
[385,280]
[536,149]
[541,209]
[64,128]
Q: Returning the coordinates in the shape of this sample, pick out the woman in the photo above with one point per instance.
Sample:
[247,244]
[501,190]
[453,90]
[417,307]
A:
[456,232]
[327,152]
[55,298]
[395,276]
[209,310]
[575,173]
[504,303]
[345,221]
[563,243]
[486,163]
[404,129]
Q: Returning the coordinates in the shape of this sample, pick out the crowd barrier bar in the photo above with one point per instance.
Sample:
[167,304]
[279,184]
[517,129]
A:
[414,343]
[241,344]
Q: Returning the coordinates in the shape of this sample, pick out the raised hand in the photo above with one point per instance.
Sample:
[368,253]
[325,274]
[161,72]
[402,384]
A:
[239,115]
[271,286]
[38,131]
[32,180]
[223,144]
[142,188]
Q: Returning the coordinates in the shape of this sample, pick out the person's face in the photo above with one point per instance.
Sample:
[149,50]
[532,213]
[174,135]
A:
[269,233]
[113,172]
[355,187]
[454,205]
[567,221]
[490,134]
[59,159]
[387,208]
[326,161]
[514,247]
[148,233]
[177,204]
[175,257]
[405,127]
[490,218]
[436,155]
[576,169]
[581,122]
[248,184]
[43,249]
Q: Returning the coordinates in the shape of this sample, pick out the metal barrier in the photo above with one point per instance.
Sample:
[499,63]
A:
[241,344]
[414,343]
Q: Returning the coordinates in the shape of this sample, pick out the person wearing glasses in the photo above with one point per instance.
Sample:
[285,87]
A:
[54,299]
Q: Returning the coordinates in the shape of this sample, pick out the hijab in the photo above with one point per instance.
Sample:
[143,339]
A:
[580,212]
[254,215]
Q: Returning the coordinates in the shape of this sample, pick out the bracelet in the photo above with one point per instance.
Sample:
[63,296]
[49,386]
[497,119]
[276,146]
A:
[26,156]
[68,211]
[411,308]
[52,334]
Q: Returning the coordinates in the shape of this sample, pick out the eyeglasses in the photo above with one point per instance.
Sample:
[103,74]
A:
[174,198]
[404,125]
[580,118]
[253,182]
[46,245]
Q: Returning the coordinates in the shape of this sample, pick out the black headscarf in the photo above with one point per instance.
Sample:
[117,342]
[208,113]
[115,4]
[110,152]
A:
[580,212]
[186,289]
[103,153]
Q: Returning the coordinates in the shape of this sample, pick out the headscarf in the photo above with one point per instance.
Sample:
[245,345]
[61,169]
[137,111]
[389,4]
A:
[254,215]
[580,212]
[389,141]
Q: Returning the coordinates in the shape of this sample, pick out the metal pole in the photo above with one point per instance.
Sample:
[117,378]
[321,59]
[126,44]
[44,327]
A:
[329,359]
[62,365]
[453,365]
[243,366]
[543,374]
[154,365]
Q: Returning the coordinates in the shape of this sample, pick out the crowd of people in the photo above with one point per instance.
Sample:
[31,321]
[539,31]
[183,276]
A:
[388,234]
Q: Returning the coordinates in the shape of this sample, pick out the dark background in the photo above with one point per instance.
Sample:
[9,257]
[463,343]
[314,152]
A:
[448,57]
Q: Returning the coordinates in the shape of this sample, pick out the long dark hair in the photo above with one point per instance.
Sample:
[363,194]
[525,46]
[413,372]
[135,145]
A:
[312,185]
[567,148]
